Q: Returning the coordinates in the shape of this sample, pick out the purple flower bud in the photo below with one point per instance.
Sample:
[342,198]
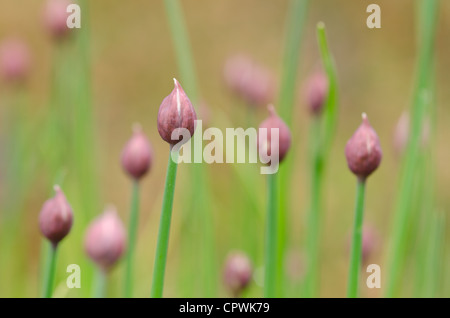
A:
[137,156]
[175,113]
[316,92]
[15,60]
[237,273]
[105,239]
[56,217]
[55,18]
[284,136]
[252,82]
[363,150]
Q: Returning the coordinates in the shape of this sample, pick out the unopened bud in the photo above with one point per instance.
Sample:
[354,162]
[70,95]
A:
[55,18]
[316,92]
[14,60]
[238,272]
[137,156]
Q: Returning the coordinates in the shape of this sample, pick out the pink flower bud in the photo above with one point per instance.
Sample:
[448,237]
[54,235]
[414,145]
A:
[55,18]
[15,60]
[137,156]
[316,92]
[56,217]
[252,82]
[370,241]
[237,273]
[284,136]
[105,239]
[363,150]
[175,113]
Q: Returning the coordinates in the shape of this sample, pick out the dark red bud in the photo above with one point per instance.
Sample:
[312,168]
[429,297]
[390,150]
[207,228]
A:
[284,136]
[176,112]
[56,217]
[363,150]
[237,273]
[105,239]
[137,155]
[317,91]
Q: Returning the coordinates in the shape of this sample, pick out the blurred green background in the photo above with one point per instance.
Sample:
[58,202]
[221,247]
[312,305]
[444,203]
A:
[133,63]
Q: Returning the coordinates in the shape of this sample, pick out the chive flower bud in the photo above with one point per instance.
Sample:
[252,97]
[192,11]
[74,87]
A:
[316,92]
[15,60]
[56,217]
[369,243]
[137,155]
[237,273]
[267,144]
[401,133]
[175,115]
[55,18]
[363,150]
[105,239]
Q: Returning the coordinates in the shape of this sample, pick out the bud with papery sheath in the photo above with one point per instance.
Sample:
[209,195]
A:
[137,155]
[105,239]
[363,151]
[175,113]
[316,92]
[237,273]
[55,18]
[56,217]
[265,145]
[15,60]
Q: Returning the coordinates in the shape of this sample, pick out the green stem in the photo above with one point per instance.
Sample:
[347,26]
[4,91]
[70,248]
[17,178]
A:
[50,271]
[132,234]
[270,280]
[100,284]
[313,238]
[164,227]
[399,243]
[356,252]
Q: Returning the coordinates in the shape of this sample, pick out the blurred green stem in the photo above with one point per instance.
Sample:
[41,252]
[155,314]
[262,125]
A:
[270,279]
[164,227]
[356,251]
[50,271]
[100,284]
[397,256]
[132,234]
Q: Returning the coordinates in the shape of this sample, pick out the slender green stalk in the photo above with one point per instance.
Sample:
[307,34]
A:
[270,279]
[294,35]
[50,271]
[100,284]
[132,234]
[164,227]
[356,252]
[399,243]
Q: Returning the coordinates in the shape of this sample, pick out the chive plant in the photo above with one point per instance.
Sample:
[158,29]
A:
[137,158]
[363,153]
[176,118]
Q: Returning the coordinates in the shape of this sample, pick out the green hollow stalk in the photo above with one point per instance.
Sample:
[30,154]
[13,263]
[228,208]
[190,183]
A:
[297,13]
[100,284]
[50,268]
[164,227]
[356,250]
[132,235]
[270,277]
[397,253]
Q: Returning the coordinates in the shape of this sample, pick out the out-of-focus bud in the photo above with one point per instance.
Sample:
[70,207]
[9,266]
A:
[56,217]
[254,83]
[15,60]
[105,239]
[370,242]
[316,92]
[265,145]
[237,273]
[363,151]
[176,114]
[55,18]
[401,133]
[137,156]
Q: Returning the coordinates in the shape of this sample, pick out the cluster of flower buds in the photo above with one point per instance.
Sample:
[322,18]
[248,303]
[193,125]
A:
[176,116]
[55,18]
[316,92]
[105,240]
[251,81]
[15,60]
[237,273]
[56,217]
[363,151]
[137,155]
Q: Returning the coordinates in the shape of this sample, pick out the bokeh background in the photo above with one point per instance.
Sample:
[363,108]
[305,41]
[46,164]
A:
[132,65]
